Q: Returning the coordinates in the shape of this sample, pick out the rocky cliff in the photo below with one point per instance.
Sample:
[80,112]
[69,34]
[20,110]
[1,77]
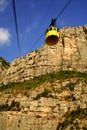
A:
[70,53]
[57,101]
[4,65]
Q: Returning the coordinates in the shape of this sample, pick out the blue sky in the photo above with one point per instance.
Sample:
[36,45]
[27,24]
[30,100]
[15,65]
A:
[33,18]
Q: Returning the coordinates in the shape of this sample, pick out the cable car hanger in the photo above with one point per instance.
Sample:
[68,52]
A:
[52,32]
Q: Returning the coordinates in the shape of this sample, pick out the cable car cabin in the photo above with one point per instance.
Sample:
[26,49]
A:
[52,35]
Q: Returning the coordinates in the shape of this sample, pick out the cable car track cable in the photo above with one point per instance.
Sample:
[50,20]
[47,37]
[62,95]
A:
[50,5]
[37,40]
[63,9]
[16,25]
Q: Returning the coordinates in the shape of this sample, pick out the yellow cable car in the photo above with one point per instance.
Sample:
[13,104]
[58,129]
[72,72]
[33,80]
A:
[52,34]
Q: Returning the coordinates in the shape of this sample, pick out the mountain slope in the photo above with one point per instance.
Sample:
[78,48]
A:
[70,53]
[56,101]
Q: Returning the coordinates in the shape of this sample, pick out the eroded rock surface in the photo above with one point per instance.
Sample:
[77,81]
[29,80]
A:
[70,53]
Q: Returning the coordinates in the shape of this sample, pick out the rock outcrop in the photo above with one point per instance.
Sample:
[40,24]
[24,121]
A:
[70,53]
[56,105]
[4,65]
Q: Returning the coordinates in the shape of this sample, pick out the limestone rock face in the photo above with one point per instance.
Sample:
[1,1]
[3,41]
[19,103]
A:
[70,53]
[62,107]
[4,65]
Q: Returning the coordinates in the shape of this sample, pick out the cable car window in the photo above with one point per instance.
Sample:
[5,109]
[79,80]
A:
[54,28]
[50,29]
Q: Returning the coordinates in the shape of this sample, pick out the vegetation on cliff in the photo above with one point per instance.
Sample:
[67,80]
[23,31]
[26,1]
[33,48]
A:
[4,63]
[72,119]
[43,78]
[58,100]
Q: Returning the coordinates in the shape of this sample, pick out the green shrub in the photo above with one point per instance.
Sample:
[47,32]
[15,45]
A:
[36,81]
[15,106]
[45,93]
[4,107]
[71,116]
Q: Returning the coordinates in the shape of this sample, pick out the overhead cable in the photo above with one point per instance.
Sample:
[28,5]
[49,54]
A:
[16,25]
[63,9]
[36,41]
[42,21]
